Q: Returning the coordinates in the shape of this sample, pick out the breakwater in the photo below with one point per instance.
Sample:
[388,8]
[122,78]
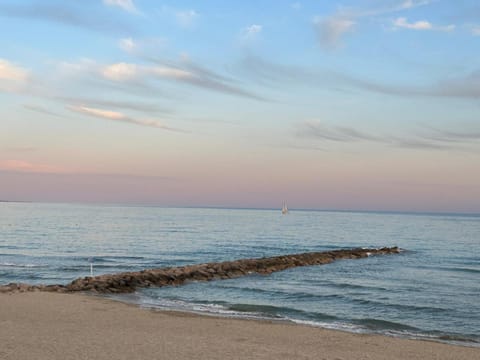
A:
[128,282]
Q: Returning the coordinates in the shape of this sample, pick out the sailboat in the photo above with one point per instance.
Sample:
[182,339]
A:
[284,208]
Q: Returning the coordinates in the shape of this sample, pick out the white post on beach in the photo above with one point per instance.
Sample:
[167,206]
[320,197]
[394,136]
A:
[90,260]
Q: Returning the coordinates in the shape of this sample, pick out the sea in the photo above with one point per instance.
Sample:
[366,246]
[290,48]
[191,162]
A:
[430,291]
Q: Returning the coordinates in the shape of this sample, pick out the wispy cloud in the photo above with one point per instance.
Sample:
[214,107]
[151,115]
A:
[420,144]
[10,71]
[66,13]
[419,25]
[127,44]
[40,109]
[126,5]
[185,72]
[318,130]
[251,31]
[475,30]
[453,136]
[12,76]
[184,18]
[127,78]
[127,72]
[121,71]
[270,73]
[148,79]
[141,106]
[142,46]
[118,116]
[410,4]
[466,86]
[402,22]
[106,114]
[331,29]
[435,139]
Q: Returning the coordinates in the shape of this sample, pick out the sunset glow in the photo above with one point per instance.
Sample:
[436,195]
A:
[368,105]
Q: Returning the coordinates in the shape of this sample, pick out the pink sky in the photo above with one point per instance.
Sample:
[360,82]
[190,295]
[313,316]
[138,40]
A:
[357,104]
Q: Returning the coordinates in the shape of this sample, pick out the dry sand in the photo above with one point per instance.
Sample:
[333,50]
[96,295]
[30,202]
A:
[48,326]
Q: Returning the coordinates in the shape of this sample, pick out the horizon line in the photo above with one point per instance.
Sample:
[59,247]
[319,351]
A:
[376,211]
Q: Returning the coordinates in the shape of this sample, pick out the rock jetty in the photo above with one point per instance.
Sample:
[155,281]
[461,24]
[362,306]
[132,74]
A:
[128,282]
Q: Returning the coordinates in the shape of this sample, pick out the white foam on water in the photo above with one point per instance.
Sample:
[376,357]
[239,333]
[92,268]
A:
[9,264]
[331,326]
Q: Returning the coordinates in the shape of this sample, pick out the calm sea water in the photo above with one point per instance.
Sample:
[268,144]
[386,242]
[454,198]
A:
[432,290]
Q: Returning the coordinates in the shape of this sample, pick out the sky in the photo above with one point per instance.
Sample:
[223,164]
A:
[352,105]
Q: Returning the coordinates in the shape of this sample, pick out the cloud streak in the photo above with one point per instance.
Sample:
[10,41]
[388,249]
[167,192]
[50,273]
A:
[126,5]
[12,76]
[186,73]
[251,31]
[434,140]
[127,44]
[139,46]
[118,116]
[140,106]
[66,13]
[270,73]
[402,22]
[331,29]
[319,131]
[475,30]
[40,109]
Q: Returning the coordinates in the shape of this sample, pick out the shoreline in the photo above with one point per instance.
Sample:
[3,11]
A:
[45,325]
[455,340]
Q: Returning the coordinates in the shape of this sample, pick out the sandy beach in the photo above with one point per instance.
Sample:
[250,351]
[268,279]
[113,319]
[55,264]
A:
[50,326]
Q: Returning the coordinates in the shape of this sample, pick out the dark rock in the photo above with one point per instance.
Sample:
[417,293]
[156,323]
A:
[129,282]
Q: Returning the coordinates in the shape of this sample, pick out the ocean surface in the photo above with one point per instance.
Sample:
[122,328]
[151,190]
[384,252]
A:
[430,291]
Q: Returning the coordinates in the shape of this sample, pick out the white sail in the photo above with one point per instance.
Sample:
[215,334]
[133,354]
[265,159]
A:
[284,208]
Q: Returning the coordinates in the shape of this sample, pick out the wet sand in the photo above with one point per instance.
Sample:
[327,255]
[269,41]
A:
[48,326]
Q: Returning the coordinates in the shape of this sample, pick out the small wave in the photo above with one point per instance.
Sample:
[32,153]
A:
[260,309]
[279,312]
[15,265]
[80,268]
[343,326]
[176,229]
[110,258]
[450,268]
[9,247]
[245,311]
[470,258]
[460,338]
[377,324]
[393,329]
[351,286]
[454,339]
[168,261]
[274,293]
[463,269]
[201,308]
[404,307]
